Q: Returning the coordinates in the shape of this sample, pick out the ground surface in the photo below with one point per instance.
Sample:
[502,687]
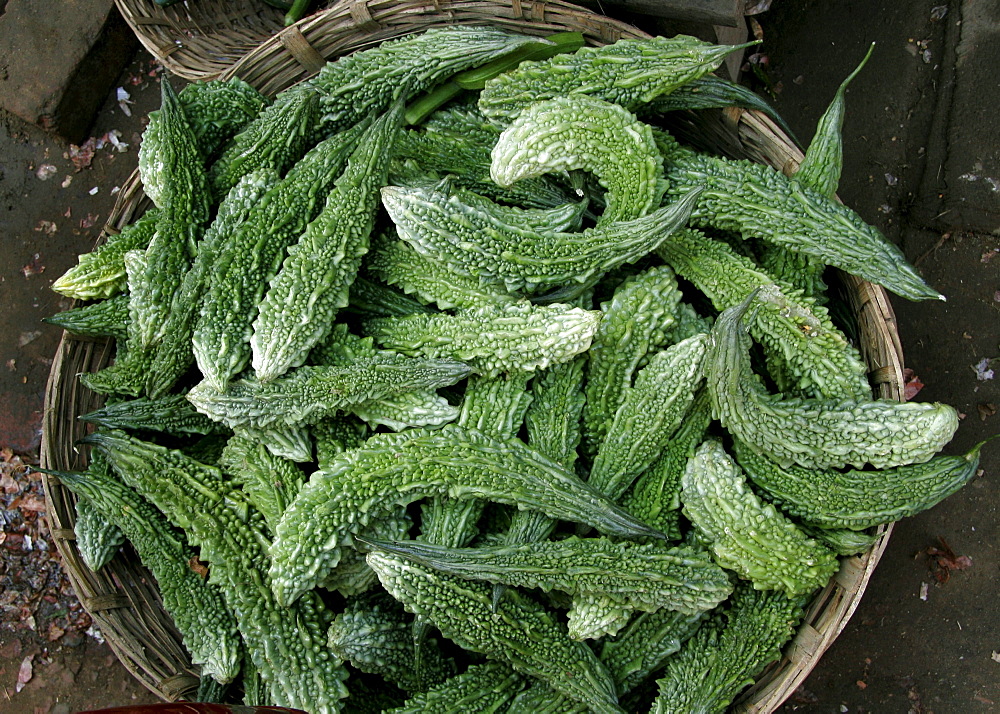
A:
[923,638]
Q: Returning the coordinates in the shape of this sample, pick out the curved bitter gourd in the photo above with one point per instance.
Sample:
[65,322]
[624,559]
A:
[488,245]
[581,132]
[520,632]
[397,469]
[755,200]
[816,433]
[858,499]
[805,354]
[747,536]
[481,689]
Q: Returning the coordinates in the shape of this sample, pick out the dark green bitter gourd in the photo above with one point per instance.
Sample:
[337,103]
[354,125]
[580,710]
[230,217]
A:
[196,606]
[628,72]
[755,200]
[396,469]
[286,644]
[520,632]
[856,499]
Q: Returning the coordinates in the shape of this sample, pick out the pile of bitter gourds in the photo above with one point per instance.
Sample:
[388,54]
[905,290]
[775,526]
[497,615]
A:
[523,407]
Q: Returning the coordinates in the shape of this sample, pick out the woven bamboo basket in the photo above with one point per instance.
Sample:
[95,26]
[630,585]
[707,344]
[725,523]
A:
[123,599]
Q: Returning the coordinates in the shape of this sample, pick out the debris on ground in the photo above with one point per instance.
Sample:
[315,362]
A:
[37,602]
[982,369]
[944,560]
[911,384]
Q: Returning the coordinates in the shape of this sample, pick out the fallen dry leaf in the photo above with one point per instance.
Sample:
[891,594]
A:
[945,560]
[982,369]
[25,673]
[47,227]
[198,567]
[911,384]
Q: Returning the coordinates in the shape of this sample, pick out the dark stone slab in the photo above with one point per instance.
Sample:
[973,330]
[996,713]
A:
[59,59]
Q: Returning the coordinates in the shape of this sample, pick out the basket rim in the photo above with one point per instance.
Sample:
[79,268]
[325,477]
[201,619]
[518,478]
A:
[116,599]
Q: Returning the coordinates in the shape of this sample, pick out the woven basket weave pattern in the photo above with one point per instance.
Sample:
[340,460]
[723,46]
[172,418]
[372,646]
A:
[122,598]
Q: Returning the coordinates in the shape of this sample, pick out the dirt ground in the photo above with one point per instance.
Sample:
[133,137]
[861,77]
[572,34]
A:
[923,638]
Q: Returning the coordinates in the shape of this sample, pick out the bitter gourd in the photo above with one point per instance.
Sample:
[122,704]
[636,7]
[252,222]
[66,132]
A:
[422,407]
[173,353]
[481,689]
[217,109]
[645,643]
[197,607]
[747,536]
[755,200]
[635,322]
[816,433]
[269,481]
[97,537]
[396,263]
[726,654]
[628,72]
[275,139]
[397,469]
[373,634]
[221,341]
[106,318]
[858,499]
[804,352]
[178,185]
[172,414]
[313,281]
[307,394]
[287,645]
[492,339]
[650,413]
[644,577]
[655,496]
[819,170]
[367,82]
[101,272]
[478,243]
[520,632]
